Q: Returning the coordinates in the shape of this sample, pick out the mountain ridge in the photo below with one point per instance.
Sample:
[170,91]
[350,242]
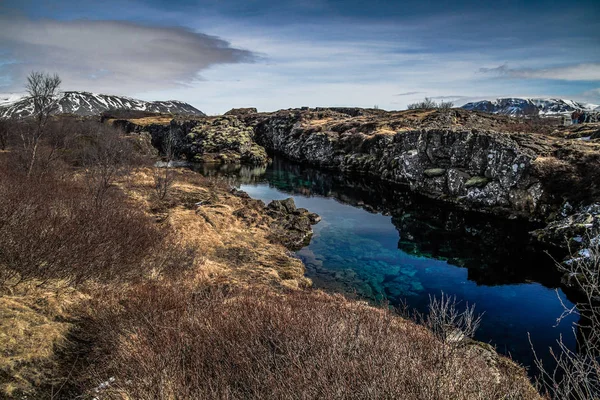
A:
[530,106]
[88,104]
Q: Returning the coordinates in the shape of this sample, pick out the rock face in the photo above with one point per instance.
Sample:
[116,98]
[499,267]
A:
[438,154]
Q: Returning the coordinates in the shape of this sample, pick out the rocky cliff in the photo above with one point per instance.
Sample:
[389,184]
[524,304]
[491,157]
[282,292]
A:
[458,156]
[479,161]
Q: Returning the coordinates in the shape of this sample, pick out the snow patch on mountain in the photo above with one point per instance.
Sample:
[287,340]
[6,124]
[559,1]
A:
[86,104]
[518,106]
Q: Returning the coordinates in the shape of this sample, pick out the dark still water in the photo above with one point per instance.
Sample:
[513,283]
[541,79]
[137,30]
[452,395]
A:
[379,241]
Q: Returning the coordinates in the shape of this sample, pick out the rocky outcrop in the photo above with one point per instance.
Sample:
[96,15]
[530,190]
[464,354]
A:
[222,139]
[242,111]
[292,226]
[443,154]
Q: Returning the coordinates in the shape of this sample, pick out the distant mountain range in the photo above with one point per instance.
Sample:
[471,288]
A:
[86,104]
[516,106]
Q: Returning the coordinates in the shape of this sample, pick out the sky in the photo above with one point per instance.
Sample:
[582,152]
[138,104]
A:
[274,54]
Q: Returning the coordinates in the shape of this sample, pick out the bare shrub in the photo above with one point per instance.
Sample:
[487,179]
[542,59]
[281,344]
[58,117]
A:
[163,174]
[49,229]
[5,129]
[105,155]
[448,322]
[445,105]
[576,374]
[430,104]
[173,341]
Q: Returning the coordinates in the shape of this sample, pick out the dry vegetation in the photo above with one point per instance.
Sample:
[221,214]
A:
[173,341]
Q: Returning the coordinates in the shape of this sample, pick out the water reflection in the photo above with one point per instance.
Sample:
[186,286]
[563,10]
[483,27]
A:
[380,241]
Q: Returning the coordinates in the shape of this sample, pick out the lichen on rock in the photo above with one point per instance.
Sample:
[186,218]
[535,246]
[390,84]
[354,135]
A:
[224,139]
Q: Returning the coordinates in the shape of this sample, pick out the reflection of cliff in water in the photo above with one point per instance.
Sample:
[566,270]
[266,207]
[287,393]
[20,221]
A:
[495,250]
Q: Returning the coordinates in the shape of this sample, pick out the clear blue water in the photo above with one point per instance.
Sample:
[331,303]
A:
[380,242]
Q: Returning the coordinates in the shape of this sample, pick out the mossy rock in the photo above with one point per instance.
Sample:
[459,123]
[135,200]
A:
[477,181]
[433,172]
[228,138]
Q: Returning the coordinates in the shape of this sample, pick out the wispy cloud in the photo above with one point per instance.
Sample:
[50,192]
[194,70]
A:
[407,93]
[111,56]
[576,72]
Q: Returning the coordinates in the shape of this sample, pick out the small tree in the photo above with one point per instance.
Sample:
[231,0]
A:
[42,89]
[163,175]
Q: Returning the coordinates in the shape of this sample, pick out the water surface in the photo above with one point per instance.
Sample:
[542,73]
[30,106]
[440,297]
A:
[380,242]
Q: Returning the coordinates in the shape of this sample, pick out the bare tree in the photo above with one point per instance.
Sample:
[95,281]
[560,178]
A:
[163,175]
[42,89]
[576,374]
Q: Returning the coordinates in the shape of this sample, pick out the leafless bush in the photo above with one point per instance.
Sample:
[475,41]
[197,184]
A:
[172,341]
[5,129]
[445,105]
[105,155]
[576,374]
[448,322]
[429,104]
[163,174]
[49,229]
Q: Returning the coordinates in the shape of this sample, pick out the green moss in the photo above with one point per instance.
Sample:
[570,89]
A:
[229,139]
[476,181]
[433,172]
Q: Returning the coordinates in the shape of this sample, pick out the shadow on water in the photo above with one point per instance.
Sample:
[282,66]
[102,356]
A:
[379,241]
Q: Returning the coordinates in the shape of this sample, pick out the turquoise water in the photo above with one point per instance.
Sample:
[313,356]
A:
[382,243]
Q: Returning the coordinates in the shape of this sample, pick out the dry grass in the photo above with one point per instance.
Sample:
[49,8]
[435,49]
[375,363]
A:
[159,119]
[227,228]
[32,327]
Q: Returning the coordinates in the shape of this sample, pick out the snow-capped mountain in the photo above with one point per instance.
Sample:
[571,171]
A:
[516,106]
[85,103]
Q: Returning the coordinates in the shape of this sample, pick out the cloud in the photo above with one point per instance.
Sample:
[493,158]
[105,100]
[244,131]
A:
[576,72]
[407,93]
[451,97]
[110,56]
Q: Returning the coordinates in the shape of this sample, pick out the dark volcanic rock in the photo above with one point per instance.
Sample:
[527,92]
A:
[451,155]
[222,139]
[292,226]
[242,111]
